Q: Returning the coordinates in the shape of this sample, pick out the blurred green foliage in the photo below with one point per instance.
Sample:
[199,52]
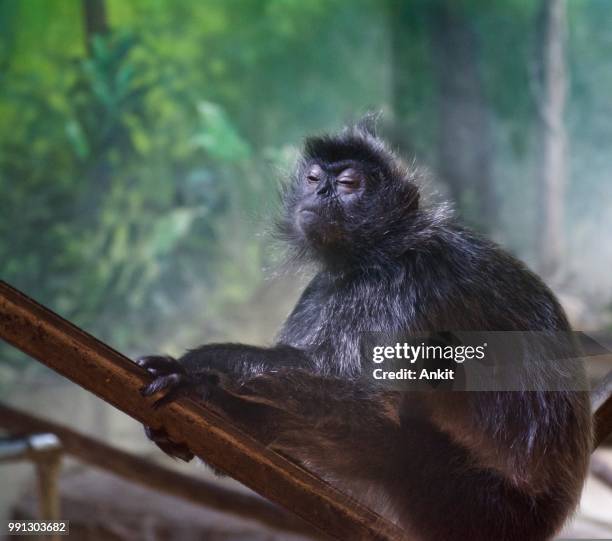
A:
[136,166]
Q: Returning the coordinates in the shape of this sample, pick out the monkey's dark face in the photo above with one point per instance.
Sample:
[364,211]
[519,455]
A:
[329,194]
[349,202]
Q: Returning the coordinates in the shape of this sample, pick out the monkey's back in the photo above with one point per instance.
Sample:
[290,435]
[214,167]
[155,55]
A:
[515,468]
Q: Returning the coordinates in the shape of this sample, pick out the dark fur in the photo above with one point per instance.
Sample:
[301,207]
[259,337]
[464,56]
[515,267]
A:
[476,466]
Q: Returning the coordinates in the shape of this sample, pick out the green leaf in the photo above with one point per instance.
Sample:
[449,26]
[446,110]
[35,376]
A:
[218,137]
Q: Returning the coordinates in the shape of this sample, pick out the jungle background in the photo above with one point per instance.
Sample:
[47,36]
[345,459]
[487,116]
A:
[142,143]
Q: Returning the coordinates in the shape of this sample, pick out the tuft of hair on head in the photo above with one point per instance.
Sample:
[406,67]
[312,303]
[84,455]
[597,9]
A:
[368,124]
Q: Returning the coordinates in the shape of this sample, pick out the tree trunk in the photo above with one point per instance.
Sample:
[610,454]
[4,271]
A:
[552,165]
[94,19]
[399,12]
[465,145]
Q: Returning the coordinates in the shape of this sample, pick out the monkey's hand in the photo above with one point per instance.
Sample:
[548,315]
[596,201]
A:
[171,379]
[217,374]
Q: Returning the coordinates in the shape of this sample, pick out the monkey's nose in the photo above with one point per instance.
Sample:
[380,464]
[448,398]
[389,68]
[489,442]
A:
[323,190]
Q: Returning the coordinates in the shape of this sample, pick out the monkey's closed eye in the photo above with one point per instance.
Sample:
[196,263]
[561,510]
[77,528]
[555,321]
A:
[314,173]
[349,177]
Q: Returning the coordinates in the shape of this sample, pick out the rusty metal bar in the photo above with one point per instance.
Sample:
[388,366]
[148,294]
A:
[98,368]
[144,472]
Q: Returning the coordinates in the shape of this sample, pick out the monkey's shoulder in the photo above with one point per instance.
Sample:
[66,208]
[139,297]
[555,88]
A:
[462,276]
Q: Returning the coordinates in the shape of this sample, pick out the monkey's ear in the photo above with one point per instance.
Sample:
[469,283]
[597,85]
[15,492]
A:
[367,123]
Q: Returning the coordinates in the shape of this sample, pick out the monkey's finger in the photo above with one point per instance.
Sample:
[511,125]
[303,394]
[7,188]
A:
[161,383]
[159,364]
[171,395]
[200,390]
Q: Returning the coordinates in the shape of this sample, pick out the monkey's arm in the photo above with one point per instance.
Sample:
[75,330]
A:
[346,431]
[214,372]
[272,394]
[241,362]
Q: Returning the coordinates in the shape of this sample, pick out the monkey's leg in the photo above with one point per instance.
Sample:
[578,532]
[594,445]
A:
[171,448]
[403,467]
[347,432]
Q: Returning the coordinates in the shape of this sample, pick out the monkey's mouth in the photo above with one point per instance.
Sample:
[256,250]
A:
[319,231]
[308,218]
